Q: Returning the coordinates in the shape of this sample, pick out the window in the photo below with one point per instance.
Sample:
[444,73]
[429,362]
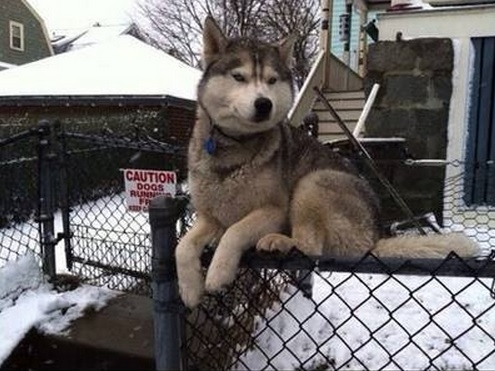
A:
[16,36]
[480,155]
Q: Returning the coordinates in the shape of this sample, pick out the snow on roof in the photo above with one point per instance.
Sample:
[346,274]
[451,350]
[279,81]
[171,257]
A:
[62,16]
[121,66]
[97,33]
[7,65]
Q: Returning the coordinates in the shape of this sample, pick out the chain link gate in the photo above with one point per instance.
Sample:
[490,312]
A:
[107,244]
[28,187]
[64,191]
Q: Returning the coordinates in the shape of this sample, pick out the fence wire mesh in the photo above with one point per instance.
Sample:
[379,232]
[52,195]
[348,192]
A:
[364,313]
[19,231]
[359,314]
[110,245]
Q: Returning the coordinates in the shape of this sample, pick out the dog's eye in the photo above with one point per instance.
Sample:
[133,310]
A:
[272,80]
[238,77]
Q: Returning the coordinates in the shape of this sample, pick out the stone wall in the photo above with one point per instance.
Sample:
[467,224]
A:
[167,123]
[415,80]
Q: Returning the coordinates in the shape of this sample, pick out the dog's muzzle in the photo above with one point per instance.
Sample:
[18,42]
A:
[263,108]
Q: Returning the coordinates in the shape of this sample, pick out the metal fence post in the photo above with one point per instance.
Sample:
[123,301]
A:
[163,213]
[46,198]
[62,154]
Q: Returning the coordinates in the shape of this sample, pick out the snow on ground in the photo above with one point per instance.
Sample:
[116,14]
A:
[371,316]
[27,300]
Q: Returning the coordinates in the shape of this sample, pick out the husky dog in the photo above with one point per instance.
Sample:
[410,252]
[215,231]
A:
[256,181]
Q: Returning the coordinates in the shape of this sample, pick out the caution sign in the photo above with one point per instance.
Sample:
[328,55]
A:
[141,186]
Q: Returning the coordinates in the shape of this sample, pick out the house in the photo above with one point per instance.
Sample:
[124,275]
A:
[340,65]
[435,66]
[118,84]
[23,35]
[471,119]
[347,36]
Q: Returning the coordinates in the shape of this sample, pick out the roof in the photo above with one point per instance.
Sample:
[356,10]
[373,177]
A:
[123,66]
[97,33]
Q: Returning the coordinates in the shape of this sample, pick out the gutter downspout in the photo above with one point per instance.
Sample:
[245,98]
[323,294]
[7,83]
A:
[326,36]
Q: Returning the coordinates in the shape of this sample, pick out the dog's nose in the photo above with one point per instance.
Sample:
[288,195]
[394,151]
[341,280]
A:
[263,108]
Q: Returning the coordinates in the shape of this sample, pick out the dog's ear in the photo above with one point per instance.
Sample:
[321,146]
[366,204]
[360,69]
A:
[286,48]
[214,42]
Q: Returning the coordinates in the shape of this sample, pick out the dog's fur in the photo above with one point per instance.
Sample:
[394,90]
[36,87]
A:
[259,181]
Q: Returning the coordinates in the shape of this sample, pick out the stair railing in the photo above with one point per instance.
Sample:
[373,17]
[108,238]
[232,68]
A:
[306,96]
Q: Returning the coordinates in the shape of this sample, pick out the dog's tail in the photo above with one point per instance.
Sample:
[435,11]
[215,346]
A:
[430,246]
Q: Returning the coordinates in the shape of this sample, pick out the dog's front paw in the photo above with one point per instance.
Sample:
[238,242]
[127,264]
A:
[276,242]
[190,276]
[219,278]
[191,291]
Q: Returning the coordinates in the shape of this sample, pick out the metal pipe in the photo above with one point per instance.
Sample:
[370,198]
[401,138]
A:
[369,161]
[46,198]
[163,215]
[366,110]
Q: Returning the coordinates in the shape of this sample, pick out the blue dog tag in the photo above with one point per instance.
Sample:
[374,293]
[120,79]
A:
[210,146]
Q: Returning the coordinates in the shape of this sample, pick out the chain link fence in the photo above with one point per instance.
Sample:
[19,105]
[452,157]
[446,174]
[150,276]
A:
[19,203]
[364,313]
[282,313]
[63,193]
[110,245]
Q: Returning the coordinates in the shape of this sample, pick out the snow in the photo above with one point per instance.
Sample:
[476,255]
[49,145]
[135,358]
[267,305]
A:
[61,16]
[6,65]
[410,4]
[379,322]
[121,66]
[27,300]
[94,35]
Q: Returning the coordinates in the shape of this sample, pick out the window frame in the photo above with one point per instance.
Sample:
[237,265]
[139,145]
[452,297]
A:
[12,37]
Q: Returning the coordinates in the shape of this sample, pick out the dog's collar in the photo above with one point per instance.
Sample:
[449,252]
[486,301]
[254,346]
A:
[210,144]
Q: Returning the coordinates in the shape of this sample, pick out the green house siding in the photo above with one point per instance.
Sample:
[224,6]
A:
[35,44]
[337,46]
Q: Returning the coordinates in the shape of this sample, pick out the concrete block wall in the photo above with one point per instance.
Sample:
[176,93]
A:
[415,78]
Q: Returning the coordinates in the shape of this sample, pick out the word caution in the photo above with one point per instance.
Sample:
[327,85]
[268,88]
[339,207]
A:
[141,186]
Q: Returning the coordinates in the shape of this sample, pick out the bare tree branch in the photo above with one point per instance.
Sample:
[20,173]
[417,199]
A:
[176,25]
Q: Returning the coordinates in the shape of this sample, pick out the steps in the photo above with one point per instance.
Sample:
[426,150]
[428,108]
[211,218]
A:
[348,105]
[118,337]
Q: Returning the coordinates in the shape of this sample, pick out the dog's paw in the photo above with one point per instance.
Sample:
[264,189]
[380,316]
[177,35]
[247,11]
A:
[191,291]
[276,242]
[218,279]
[190,278]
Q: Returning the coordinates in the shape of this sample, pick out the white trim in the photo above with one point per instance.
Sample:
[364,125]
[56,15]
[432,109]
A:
[42,23]
[20,27]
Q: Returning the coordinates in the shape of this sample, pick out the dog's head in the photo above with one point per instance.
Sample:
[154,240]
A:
[247,84]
